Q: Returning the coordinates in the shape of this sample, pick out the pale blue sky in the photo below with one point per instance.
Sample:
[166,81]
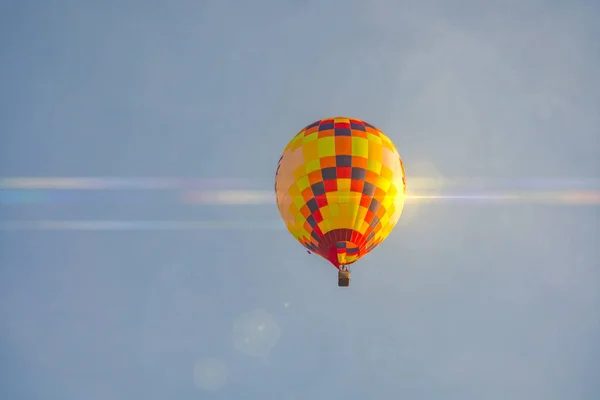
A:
[464,301]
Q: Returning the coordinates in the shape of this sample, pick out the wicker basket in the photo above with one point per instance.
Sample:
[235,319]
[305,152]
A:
[343,278]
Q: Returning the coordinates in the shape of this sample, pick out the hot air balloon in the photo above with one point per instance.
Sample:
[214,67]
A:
[340,189]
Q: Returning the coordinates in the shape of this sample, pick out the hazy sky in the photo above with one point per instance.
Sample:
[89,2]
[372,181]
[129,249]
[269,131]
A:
[465,300]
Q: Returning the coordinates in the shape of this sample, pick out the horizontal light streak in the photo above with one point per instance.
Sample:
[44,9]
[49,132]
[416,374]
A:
[265,197]
[115,225]
[157,183]
[115,183]
[226,191]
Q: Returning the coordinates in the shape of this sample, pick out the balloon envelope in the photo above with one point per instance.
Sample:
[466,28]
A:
[340,188]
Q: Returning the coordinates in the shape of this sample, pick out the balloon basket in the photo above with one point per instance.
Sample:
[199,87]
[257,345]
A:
[343,278]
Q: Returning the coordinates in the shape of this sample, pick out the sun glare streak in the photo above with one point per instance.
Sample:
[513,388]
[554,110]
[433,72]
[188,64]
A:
[422,191]
[239,192]
[116,225]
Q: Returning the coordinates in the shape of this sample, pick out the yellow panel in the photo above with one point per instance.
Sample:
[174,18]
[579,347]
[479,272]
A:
[325,213]
[328,225]
[303,183]
[310,151]
[393,190]
[323,227]
[387,172]
[355,198]
[352,212]
[344,184]
[387,201]
[313,165]
[340,222]
[375,152]
[326,146]
[333,198]
[294,191]
[361,213]
[293,209]
[298,201]
[373,139]
[383,183]
[360,147]
[334,208]
[343,196]
[299,172]
[344,210]
[373,165]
